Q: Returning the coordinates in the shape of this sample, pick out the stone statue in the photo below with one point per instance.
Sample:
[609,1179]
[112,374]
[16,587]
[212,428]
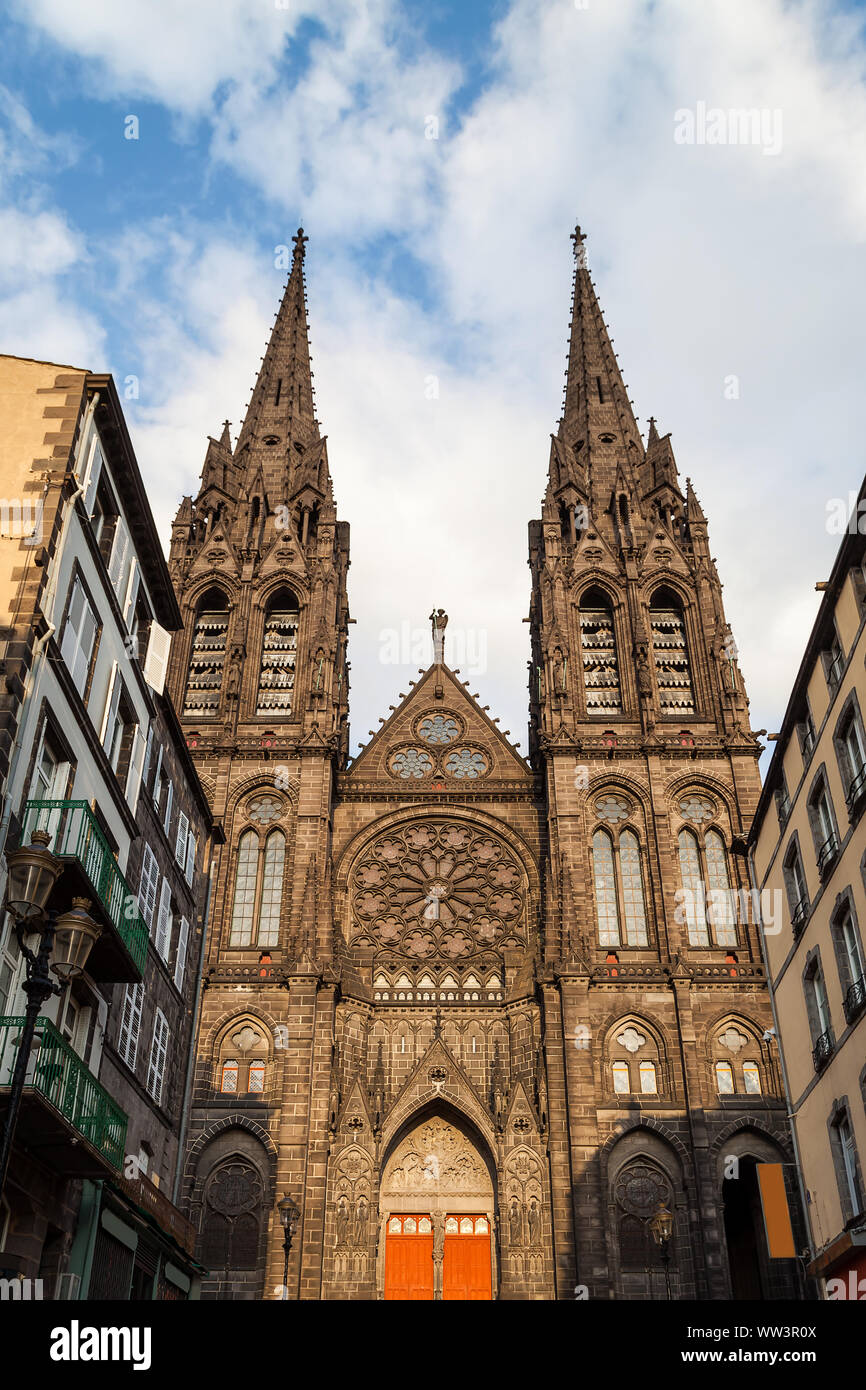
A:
[233,673]
[532,1220]
[439,622]
[515,1222]
[360,1232]
[342,1220]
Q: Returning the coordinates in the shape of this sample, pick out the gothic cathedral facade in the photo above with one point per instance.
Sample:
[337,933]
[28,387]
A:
[479,1017]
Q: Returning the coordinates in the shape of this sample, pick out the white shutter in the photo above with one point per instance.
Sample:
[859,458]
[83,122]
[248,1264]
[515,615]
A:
[163,921]
[189,870]
[130,1024]
[156,777]
[180,961]
[145,767]
[119,552]
[180,842]
[147,885]
[92,472]
[131,591]
[136,767]
[111,703]
[156,662]
[158,1054]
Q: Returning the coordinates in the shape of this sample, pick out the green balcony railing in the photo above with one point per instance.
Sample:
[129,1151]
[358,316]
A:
[75,832]
[60,1076]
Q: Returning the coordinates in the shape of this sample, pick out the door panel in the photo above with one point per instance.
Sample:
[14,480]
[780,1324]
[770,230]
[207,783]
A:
[409,1259]
[466,1274]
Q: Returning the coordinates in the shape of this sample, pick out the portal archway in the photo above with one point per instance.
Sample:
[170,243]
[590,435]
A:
[437,1204]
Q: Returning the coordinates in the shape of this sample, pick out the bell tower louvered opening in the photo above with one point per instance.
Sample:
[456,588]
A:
[671,654]
[279,652]
[207,659]
[598,655]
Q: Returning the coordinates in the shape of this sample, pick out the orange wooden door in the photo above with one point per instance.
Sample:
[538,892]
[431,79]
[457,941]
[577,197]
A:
[409,1258]
[466,1266]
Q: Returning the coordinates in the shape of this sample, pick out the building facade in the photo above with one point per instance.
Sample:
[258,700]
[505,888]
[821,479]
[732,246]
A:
[88,611]
[809,852]
[478,1016]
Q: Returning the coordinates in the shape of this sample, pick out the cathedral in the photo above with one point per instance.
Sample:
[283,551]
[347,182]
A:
[479,1017]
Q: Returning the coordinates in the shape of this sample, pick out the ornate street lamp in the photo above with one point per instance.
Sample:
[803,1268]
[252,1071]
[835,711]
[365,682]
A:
[69,938]
[661,1226]
[289,1216]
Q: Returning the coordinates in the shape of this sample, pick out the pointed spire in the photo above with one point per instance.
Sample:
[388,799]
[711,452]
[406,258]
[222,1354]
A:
[225,437]
[694,510]
[596,399]
[282,404]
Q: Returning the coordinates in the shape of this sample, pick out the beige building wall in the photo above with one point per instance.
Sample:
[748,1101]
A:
[826,1077]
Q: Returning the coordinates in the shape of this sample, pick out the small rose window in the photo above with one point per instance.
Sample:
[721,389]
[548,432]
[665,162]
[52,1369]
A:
[412,762]
[465,763]
[438,728]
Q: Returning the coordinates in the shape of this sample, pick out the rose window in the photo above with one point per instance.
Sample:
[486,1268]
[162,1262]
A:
[264,809]
[465,763]
[438,728]
[412,762]
[438,889]
[640,1189]
[697,809]
[613,809]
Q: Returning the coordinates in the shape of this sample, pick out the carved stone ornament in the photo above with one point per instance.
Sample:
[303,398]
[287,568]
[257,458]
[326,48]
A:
[247,1039]
[733,1040]
[434,1158]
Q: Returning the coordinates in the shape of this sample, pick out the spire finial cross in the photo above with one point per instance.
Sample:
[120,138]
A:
[299,241]
[579,240]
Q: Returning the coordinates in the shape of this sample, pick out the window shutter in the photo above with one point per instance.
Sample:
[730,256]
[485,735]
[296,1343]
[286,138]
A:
[136,767]
[156,661]
[147,885]
[92,472]
[182,944]
[189,871]
[158,1053]
[169,796]
[145,767]
[111,703]
[131,590]
[130,1024]
[182,832]
[163,921]
[156,777]
[119,552]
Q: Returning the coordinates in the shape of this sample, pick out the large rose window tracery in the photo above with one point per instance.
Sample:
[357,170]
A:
[438,888]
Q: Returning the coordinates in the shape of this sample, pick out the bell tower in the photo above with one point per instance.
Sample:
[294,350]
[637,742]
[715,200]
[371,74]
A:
[639,725]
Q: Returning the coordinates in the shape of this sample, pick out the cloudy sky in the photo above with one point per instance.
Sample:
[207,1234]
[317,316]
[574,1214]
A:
[438,155]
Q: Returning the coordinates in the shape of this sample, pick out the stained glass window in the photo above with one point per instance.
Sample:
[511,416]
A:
[693,890]
[272,889]
[607,913]
[412,762]
[257,1077]
[632,889]
[465,763]
[245,890]
[229,1081]
[438,728]
[724,927]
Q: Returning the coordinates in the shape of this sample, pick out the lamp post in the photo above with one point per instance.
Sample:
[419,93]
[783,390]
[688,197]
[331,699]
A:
[69,937]
[661,1226]
[289,1217]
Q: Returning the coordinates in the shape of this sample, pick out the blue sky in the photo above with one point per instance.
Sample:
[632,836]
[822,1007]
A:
[449,259]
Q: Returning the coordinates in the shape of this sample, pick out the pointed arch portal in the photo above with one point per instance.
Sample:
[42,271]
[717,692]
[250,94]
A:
[437,1206]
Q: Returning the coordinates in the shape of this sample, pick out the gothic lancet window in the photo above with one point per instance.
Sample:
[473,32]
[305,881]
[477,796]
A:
[258,890]
[671,654]
[279,651]
[207,658]
[619,889]
[598,654]
[707,898]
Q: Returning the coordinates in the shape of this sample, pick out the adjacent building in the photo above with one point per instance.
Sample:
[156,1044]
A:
[88,745]
[479,1017]
[808,844]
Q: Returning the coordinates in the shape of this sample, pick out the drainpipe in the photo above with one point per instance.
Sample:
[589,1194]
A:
[756,898]
[190,1064]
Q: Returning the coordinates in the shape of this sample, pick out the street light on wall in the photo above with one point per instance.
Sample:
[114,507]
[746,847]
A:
[661,1226]
[49,943]
[290,1215]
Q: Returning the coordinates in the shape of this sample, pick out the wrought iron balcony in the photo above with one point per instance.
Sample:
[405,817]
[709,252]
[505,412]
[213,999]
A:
[149,1197]
[799,917]
[77,837]
[827,854]
[823,1049]
[855,999]
[856,797]
[61,1096]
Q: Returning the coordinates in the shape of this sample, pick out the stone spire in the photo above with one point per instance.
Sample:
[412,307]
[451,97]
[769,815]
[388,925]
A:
[598,427]
[282,407]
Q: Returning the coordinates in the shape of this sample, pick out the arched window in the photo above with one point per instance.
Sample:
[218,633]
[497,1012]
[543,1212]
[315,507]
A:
[636,1059]
[648,1079]
[258,890]
[621,1082]
[229,1077]
[256,1077]
[598,654]
[279,651]
[232,1217]
[671,654]
[207,658]
[619,894]
[724,1078]
[707,899]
